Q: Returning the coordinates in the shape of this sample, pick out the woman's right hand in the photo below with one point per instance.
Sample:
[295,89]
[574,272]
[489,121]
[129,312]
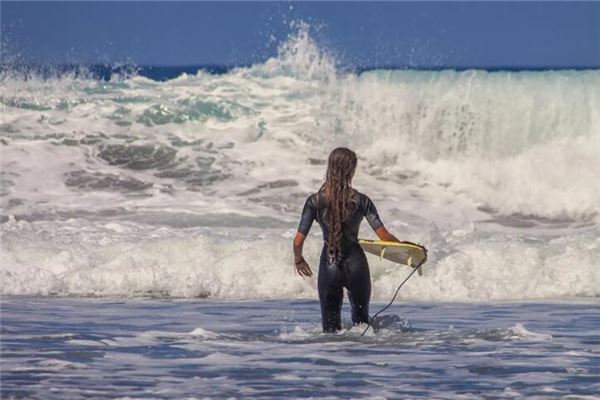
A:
[303,269]
[385,235]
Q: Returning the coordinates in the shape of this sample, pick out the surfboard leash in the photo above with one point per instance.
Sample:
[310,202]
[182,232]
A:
[415,269]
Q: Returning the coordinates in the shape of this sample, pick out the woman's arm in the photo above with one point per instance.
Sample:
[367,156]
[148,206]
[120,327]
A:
[302,266]
[383,234]
[370,213]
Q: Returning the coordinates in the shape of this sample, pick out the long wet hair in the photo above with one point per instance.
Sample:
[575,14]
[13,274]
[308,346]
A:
[340,196]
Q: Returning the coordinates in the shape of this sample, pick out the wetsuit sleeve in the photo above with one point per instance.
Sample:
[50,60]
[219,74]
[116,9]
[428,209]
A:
[308,216]
[370,213]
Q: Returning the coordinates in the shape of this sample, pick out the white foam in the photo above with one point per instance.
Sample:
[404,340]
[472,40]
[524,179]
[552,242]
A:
[60,364]
[520,331]
[514,142]
[203,333]
[494,172]
[41,259]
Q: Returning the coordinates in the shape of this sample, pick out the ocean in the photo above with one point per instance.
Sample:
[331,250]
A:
[63,348]
[147,224]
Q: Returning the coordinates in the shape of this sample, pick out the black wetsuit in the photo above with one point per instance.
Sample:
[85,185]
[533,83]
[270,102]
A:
[348,269]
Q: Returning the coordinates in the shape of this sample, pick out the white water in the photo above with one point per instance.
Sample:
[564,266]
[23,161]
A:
[193,187]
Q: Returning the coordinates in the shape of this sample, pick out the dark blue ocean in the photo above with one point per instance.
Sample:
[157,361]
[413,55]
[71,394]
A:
[161,73]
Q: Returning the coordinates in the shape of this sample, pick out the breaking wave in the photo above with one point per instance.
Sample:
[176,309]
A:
[496,171]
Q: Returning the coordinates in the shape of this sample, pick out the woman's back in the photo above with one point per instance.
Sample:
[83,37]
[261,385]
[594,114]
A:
[316,208]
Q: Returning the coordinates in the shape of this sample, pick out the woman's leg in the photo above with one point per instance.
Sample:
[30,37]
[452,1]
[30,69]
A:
[331,294]
[358,283]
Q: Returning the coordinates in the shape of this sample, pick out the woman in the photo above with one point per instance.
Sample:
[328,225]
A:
[339,210]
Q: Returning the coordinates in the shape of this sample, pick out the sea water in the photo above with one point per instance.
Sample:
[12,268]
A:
[187,191]
[58,348]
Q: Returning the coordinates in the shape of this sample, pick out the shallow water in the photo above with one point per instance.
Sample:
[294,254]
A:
[57,348]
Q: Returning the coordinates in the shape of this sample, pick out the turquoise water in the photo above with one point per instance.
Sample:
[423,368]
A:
[57,348]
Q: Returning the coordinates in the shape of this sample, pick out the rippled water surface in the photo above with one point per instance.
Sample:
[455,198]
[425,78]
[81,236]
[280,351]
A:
[57,348]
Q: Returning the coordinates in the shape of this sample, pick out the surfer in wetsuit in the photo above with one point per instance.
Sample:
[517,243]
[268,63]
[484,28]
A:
[339,210]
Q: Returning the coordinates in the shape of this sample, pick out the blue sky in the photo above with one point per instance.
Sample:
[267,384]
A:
[361,34]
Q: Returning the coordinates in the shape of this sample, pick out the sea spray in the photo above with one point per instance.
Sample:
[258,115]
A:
[76,258]
[192,187]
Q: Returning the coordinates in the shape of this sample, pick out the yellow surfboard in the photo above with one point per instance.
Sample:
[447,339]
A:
[407,253]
